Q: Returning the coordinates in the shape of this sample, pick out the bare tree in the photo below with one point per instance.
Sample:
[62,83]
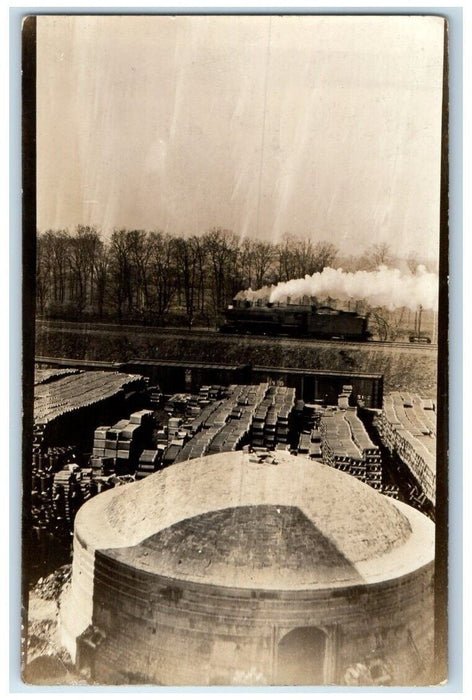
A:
[286,258]
[143,273]
[349,263]
[388,324]
[379,254]
[380,323]
[263,256]
[140,247]
[101,274]
[325,255]
[84,247]
[56,250]
[120,270]
[43,272]
[412,262]
[164,271]
[188,259]
[222,250]
[303,252]
[246,262]
[300,256]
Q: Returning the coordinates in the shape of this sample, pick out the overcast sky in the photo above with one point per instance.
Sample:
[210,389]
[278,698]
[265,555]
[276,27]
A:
[326,127]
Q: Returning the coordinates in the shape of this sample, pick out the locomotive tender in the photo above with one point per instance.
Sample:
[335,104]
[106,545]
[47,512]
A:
[295,320]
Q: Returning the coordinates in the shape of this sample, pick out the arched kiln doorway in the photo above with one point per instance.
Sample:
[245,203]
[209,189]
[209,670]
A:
[301,657]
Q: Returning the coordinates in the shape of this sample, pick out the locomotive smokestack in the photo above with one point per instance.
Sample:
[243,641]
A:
[420,311]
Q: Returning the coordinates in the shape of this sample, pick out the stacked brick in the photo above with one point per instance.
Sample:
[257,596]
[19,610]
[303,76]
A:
[259,423]
[38,437]
[315,444]
[51,460]
[193,408]
[270,428]
[69,395]
[371,454]
[99,460]
[197,446]
[307,416]
[44,376]
[407,427]
[237,429]
[343,398]
[304,417]
[270,425]
[155,396]
[391,490]
[118,447]
[57,489]
[199,421]
[147,464]
[44,466]
[42,511]
[224,426]
[212,393]
[71,488]
[216,432]
[205,415]
[338,448]
[304,444]
[279,414]
[228,425]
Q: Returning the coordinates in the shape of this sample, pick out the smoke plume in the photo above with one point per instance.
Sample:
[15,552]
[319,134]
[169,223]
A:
[382,287]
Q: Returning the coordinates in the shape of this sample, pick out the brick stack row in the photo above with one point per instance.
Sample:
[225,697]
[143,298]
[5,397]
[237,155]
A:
[242,402]
[338,448]
[407,427]
[280,414]
[371,454]
[308,416]
[271,421]
[225,425]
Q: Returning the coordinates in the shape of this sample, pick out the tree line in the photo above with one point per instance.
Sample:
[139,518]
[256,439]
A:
[154,277]
[146,274]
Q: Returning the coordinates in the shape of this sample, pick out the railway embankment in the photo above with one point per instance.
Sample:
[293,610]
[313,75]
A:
[413,369]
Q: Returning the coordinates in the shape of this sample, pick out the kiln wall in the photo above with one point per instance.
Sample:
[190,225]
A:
[170,632]
[77,601]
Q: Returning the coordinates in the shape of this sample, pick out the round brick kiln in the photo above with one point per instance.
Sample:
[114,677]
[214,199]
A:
[222,570]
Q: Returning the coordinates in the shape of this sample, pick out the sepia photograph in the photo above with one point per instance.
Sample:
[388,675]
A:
[235,235]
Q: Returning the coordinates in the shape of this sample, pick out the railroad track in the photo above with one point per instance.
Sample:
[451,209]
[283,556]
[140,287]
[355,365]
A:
[203,333]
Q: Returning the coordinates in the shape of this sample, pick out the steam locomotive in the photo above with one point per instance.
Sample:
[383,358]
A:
[295,320]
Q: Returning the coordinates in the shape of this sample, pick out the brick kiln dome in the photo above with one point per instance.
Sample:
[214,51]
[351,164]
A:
[233,522]
[224,570]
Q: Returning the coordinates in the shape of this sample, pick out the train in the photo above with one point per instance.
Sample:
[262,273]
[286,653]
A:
[309,321]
